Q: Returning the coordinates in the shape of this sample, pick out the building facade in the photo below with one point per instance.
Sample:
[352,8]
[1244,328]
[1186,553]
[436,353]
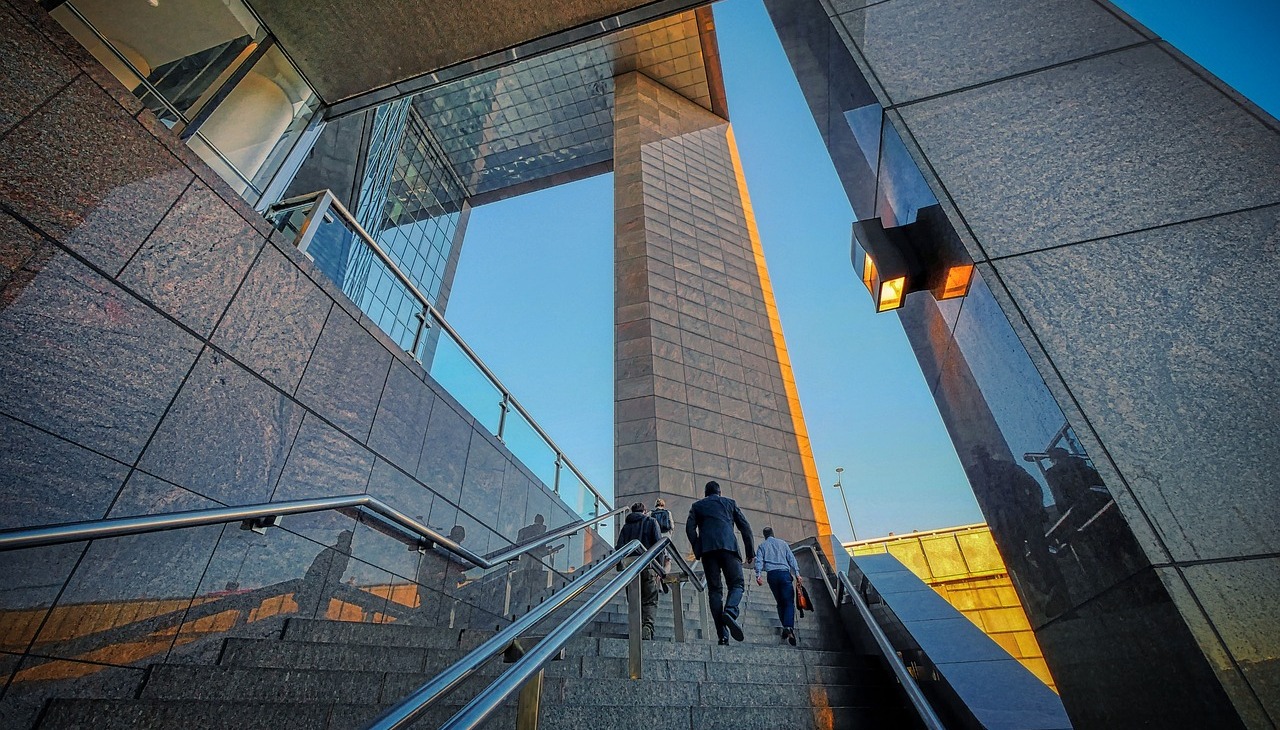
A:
[166,346]
[1108,210]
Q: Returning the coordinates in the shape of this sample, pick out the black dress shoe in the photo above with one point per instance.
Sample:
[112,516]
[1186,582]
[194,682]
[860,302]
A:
[735,629]
[790,636]
[724,641]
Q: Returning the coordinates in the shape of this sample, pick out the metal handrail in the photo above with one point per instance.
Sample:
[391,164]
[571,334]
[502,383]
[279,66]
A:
[918,701]
[822,572]
[484,703]
[411,708]
[121,526]
[335,204]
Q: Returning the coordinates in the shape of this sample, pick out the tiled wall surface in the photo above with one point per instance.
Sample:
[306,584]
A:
[1123,206]
[160,351]
[701,390]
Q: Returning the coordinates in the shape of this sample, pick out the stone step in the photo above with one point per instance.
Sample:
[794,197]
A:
[756,636]
[83,714]
[749,685]
[272,654]
[435,637]
[432,637]
[77,714]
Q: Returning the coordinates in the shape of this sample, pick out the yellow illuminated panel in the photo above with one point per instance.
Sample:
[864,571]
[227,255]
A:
[869,274]
[963,566]
[957,283]
[891,293]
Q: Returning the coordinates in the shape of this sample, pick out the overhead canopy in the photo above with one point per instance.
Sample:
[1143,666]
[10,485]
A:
[549,119]
[382,49]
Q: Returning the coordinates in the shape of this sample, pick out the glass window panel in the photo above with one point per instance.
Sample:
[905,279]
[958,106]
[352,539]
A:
[184,62]
[451,367]
[529,447]
[258,122]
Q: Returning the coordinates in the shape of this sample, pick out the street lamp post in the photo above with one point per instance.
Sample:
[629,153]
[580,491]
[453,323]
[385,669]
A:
[843,498]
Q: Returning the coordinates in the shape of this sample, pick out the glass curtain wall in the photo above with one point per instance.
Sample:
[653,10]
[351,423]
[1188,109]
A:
[411,204]
[209,71]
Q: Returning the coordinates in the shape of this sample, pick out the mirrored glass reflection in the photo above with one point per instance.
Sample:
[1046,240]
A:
[1052,515]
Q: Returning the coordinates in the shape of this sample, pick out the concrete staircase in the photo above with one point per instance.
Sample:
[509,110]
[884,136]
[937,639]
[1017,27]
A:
[328,674]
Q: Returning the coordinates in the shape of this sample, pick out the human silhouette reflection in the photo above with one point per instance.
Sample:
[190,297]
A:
[320,582]
[530,578]
[1014,506]
[1090,523]
[440,570]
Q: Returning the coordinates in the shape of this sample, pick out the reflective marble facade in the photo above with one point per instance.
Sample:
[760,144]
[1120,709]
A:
[1108,382]
[161,351]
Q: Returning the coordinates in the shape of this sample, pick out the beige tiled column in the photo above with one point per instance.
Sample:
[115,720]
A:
[704,388]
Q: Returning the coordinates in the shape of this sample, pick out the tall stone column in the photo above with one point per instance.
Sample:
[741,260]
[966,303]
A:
[704,388]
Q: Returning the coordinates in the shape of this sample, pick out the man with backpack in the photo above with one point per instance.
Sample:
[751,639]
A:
[639,526]
[665,526]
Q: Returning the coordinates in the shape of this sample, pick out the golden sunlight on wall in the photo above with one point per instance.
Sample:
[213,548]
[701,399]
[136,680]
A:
[964,567]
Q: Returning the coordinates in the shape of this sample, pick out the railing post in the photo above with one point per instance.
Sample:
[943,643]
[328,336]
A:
[704,619]
[502,415]
[559,465]
[677,608]
[634,649]
[423,326]
[529,701]
[314,219]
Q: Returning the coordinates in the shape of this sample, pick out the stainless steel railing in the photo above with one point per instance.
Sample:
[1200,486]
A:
[310,213]
[530,665]
[265,515]
[844,589]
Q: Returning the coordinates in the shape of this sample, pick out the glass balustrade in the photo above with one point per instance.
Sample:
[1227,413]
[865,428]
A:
[330,236]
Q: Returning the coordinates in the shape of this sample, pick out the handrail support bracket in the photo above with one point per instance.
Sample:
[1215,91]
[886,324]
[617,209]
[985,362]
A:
[260,524]
[529,701]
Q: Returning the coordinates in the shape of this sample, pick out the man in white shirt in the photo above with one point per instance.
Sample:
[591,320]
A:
[775,561]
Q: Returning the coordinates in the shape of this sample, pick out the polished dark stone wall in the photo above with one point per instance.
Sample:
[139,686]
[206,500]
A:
[161,349]
[1123,207]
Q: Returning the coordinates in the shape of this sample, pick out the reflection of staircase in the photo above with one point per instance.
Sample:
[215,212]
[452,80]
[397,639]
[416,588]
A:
[340,675]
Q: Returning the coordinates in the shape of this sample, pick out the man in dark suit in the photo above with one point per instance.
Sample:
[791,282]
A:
[710,531]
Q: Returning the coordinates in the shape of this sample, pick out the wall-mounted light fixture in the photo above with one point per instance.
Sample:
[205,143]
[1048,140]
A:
[922,256]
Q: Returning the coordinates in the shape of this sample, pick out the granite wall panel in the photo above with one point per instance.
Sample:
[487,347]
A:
[323,461]
[83,171]
[345,376]
[244,428]
[1164,362]
[85,360]
[400,425]
[275,320]
[916,48]
[46,479]
[31,70]
[1117,139]
[194,261]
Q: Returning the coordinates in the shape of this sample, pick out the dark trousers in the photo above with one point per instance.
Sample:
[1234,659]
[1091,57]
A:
[784,594]
[723,567]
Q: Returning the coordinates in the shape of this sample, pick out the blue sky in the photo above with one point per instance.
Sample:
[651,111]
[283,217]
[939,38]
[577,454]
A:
[534,289]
